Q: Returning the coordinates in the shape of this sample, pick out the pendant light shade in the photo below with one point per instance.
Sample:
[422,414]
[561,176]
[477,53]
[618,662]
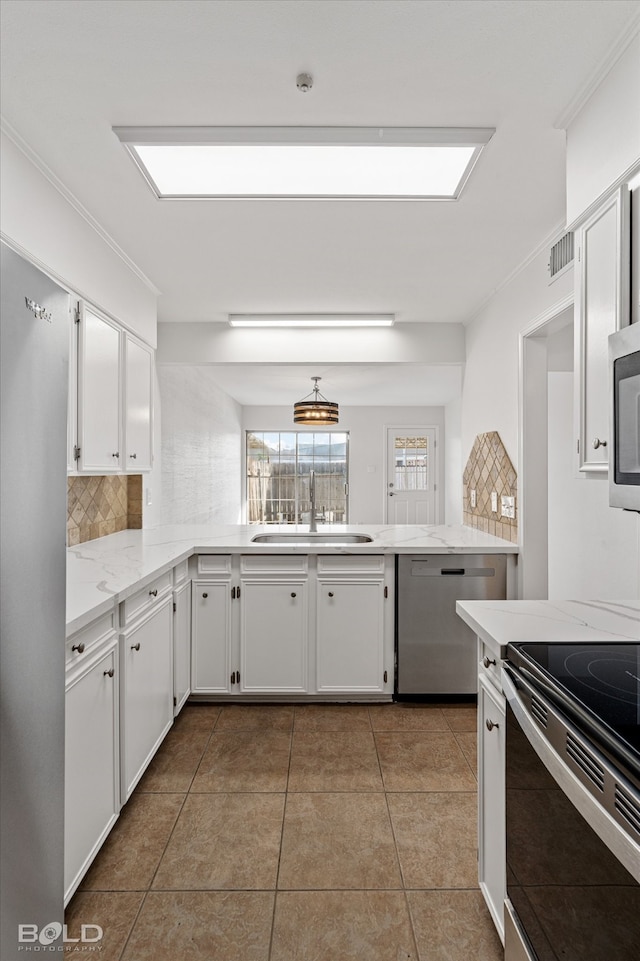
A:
[315,412]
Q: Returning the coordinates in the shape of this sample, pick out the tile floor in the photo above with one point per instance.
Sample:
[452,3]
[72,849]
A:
[297,833]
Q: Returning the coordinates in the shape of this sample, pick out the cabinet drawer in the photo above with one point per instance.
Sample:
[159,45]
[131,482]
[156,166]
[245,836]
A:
[274,563]
[489,666]
[79,646]
[180,572]
[214,564]
[139,603]
[354,564]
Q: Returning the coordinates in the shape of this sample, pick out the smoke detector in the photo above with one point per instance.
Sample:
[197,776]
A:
[304,82]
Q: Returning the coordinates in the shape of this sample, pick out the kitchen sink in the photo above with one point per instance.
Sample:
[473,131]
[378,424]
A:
[304,537]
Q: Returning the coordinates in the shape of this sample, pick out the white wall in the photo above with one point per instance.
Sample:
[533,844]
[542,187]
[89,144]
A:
[593,549]
[201,447]
[603,140]
[367,450]
[43,226]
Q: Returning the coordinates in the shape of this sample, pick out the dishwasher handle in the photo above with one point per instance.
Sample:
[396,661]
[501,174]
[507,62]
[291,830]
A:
[451,571]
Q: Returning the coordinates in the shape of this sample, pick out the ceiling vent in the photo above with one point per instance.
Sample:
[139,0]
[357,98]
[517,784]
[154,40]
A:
[560,256]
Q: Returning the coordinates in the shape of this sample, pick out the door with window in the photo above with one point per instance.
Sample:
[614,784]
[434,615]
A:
[411,491]
[278,469]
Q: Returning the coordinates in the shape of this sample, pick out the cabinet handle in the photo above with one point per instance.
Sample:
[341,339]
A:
[153,593]
[488,661]
[204,594]
[109,673]
[293,593]
[117,454]
[490,725]
[599,443]
[330,593]
[133,455]
[135,647]
[78,647]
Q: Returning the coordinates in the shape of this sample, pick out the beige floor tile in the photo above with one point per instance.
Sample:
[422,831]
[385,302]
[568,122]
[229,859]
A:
[113,911]
[131,853]
[175,764]
[455,925]
[436,838]
[197,716]
[461,718]
[342,926]
[406,717]
[202,926]
[333,841]
[255,717]
[423,761]
[334,761]
[331,717]
[224,841]
[468,744]
[244,761]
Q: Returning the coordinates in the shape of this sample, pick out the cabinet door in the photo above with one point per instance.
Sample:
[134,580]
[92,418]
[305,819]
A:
[273,636]
[181,645]
[92,797]
[491,800]
[99,391]
[211,642]
[602,307]
[138,394]
[350,635]
[147,701]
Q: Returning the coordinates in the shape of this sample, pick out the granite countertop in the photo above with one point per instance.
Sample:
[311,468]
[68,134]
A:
[499,622]
[103,572]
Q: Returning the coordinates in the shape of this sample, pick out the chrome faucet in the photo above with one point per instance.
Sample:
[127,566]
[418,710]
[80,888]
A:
[313,525]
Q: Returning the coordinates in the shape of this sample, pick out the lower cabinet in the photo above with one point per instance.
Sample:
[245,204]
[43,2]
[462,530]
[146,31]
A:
[273,636]
[181,645]
[92,777]
[211,636]
[350,635]
[146,709]
[491,798]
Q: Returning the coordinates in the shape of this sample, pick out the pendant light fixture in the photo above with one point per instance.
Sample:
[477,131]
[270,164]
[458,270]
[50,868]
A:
[315,412]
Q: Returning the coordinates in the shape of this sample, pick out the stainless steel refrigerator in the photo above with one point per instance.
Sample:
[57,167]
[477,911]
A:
[34,347]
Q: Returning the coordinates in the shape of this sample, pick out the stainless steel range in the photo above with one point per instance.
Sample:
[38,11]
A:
[573,802]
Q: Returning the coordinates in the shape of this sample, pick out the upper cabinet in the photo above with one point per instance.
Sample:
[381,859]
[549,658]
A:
[114,398]
[601,307]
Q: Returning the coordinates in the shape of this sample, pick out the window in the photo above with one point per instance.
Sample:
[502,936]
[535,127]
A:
[278,472]
[411,464]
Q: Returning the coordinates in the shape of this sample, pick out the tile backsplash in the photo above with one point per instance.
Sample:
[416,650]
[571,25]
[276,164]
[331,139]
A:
[97,506]
[490,470]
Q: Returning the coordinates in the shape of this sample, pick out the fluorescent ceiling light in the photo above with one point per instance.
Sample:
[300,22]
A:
[311,320]
[416,163]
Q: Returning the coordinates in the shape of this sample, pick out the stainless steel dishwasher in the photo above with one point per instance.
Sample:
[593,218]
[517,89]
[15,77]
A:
[436,651]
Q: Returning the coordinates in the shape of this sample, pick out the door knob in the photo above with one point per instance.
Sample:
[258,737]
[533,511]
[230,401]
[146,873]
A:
[390,493]
[599,443]
[490,725]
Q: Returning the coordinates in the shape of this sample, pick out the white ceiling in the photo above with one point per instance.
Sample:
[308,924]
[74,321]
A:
[395,385]
[73,69]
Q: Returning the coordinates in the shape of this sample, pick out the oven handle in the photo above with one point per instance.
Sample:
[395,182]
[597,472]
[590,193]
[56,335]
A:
[599,819]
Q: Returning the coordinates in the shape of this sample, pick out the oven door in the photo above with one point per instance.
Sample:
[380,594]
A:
[569,896]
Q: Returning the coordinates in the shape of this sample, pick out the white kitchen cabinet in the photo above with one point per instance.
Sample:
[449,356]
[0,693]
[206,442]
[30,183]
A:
[351,597]
[601,307]
[274,636]
[211,636]
[138,386]
[99,393]
[92,775]
[181,645]
[491,792]
[146,709]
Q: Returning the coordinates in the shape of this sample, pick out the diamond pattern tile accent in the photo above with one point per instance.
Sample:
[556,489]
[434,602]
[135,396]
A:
[97,506]
[490,469]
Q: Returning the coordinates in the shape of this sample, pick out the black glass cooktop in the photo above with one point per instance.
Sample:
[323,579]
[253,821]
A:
[602,682]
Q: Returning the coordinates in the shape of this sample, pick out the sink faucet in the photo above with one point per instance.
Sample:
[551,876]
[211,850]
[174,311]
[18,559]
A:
[313,524]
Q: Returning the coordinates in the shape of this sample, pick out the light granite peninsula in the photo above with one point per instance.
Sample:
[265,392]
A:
[106,571]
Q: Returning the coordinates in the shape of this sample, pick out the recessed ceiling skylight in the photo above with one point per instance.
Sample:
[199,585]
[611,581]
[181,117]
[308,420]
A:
[417,163]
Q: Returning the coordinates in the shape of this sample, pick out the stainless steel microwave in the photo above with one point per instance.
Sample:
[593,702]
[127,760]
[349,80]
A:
[624,451]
